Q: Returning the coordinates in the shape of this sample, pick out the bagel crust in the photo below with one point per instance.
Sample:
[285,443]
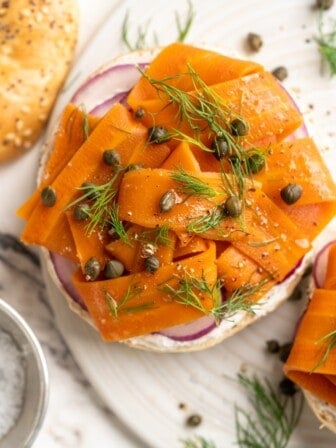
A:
[37,41]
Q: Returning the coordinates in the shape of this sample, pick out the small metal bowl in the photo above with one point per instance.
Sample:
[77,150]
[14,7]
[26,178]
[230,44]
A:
[35,396]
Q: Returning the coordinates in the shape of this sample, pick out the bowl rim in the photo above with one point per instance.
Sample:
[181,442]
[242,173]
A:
[39,356]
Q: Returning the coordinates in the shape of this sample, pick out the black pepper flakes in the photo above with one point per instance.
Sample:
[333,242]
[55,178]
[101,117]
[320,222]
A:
[287,387]
[272,346]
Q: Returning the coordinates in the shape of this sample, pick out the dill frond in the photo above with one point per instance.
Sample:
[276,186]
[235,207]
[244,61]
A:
[124,304]
[330,341]
[117,225]
[326,42]
[274,416]
[197,442]
[183,29]
[158,236]
[207,221]
[191,185]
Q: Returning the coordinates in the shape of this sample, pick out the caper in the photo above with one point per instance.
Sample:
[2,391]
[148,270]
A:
[239,127]
[90,190]
[48,196]
[234,160]
[152,264]
[272,346]
[284,351]
[255,163]
[167,201]
[158,134]
[111,157]
[254,41]
[233,207]
[291,193]
[92,269]
[134,167]
[220,148]
[81,212]
[280,73]
[287,387]
[194,420]
[139,113]
[324,4]
[113,269]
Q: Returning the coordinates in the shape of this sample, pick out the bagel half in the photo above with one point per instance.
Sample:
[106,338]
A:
[158,342]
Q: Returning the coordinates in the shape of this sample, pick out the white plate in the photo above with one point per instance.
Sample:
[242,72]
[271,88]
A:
[146,389]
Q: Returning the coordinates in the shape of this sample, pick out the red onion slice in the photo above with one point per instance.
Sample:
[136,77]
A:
[190,331]
[104,107]
[112,81]
[320,265]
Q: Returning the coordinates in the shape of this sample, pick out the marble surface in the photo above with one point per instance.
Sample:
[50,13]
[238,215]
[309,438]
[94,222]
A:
[75,416]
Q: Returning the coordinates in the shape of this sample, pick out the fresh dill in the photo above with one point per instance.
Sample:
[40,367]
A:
[275,415]
[191,185]
[124,304]
[116,224]
[192,291]
[158,236]
[208,221]
[330,341]
[197,442]
[326,42]
[183,27]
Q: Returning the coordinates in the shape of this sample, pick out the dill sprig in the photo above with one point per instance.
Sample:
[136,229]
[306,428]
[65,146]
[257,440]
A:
[275,415]
[158,236]
[192,290]
[197,442]
[117,225]
[208,221]
[330,341]
[124,304]
[191,185]
[326,42]
[141,41]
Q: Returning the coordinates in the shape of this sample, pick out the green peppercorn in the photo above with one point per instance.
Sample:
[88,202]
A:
[139,113]
[239,127]
[81,212]
[48,196]
[90,190]
[113,269]
[220,148]
[287,387]
[158,134]
[134,167]
[254,41]
[291,193]
[272,346]
[194,420]
[280,73]
[255,163]
[284,351]
[167,201]
[152,264]
[233,206]
[112,158]
[324,4]
[92,269]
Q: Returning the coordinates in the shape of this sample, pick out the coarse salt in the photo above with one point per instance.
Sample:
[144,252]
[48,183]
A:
[12,382]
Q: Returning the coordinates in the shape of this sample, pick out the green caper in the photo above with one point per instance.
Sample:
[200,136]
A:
[254,41]
[139,113]
[220,148]
[291,193]
[255,163]
[239,127]
[90,190]
[92,269]
[111,157]
[114,269]
[48,196]
[152,264]
[134,167]
[167,201]
[81,212]
[233,207]
[158,134]
[280,73]
[194,420]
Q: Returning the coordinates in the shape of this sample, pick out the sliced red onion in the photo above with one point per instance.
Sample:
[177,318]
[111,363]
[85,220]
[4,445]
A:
[190,331]
[320,265]
[104,107]
[112,81]
[64,269]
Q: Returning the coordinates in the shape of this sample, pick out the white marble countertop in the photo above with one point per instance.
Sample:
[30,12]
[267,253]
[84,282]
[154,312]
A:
[76,418]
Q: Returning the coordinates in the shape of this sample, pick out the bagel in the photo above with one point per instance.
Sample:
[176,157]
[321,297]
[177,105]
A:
[95,99]
[37,45]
